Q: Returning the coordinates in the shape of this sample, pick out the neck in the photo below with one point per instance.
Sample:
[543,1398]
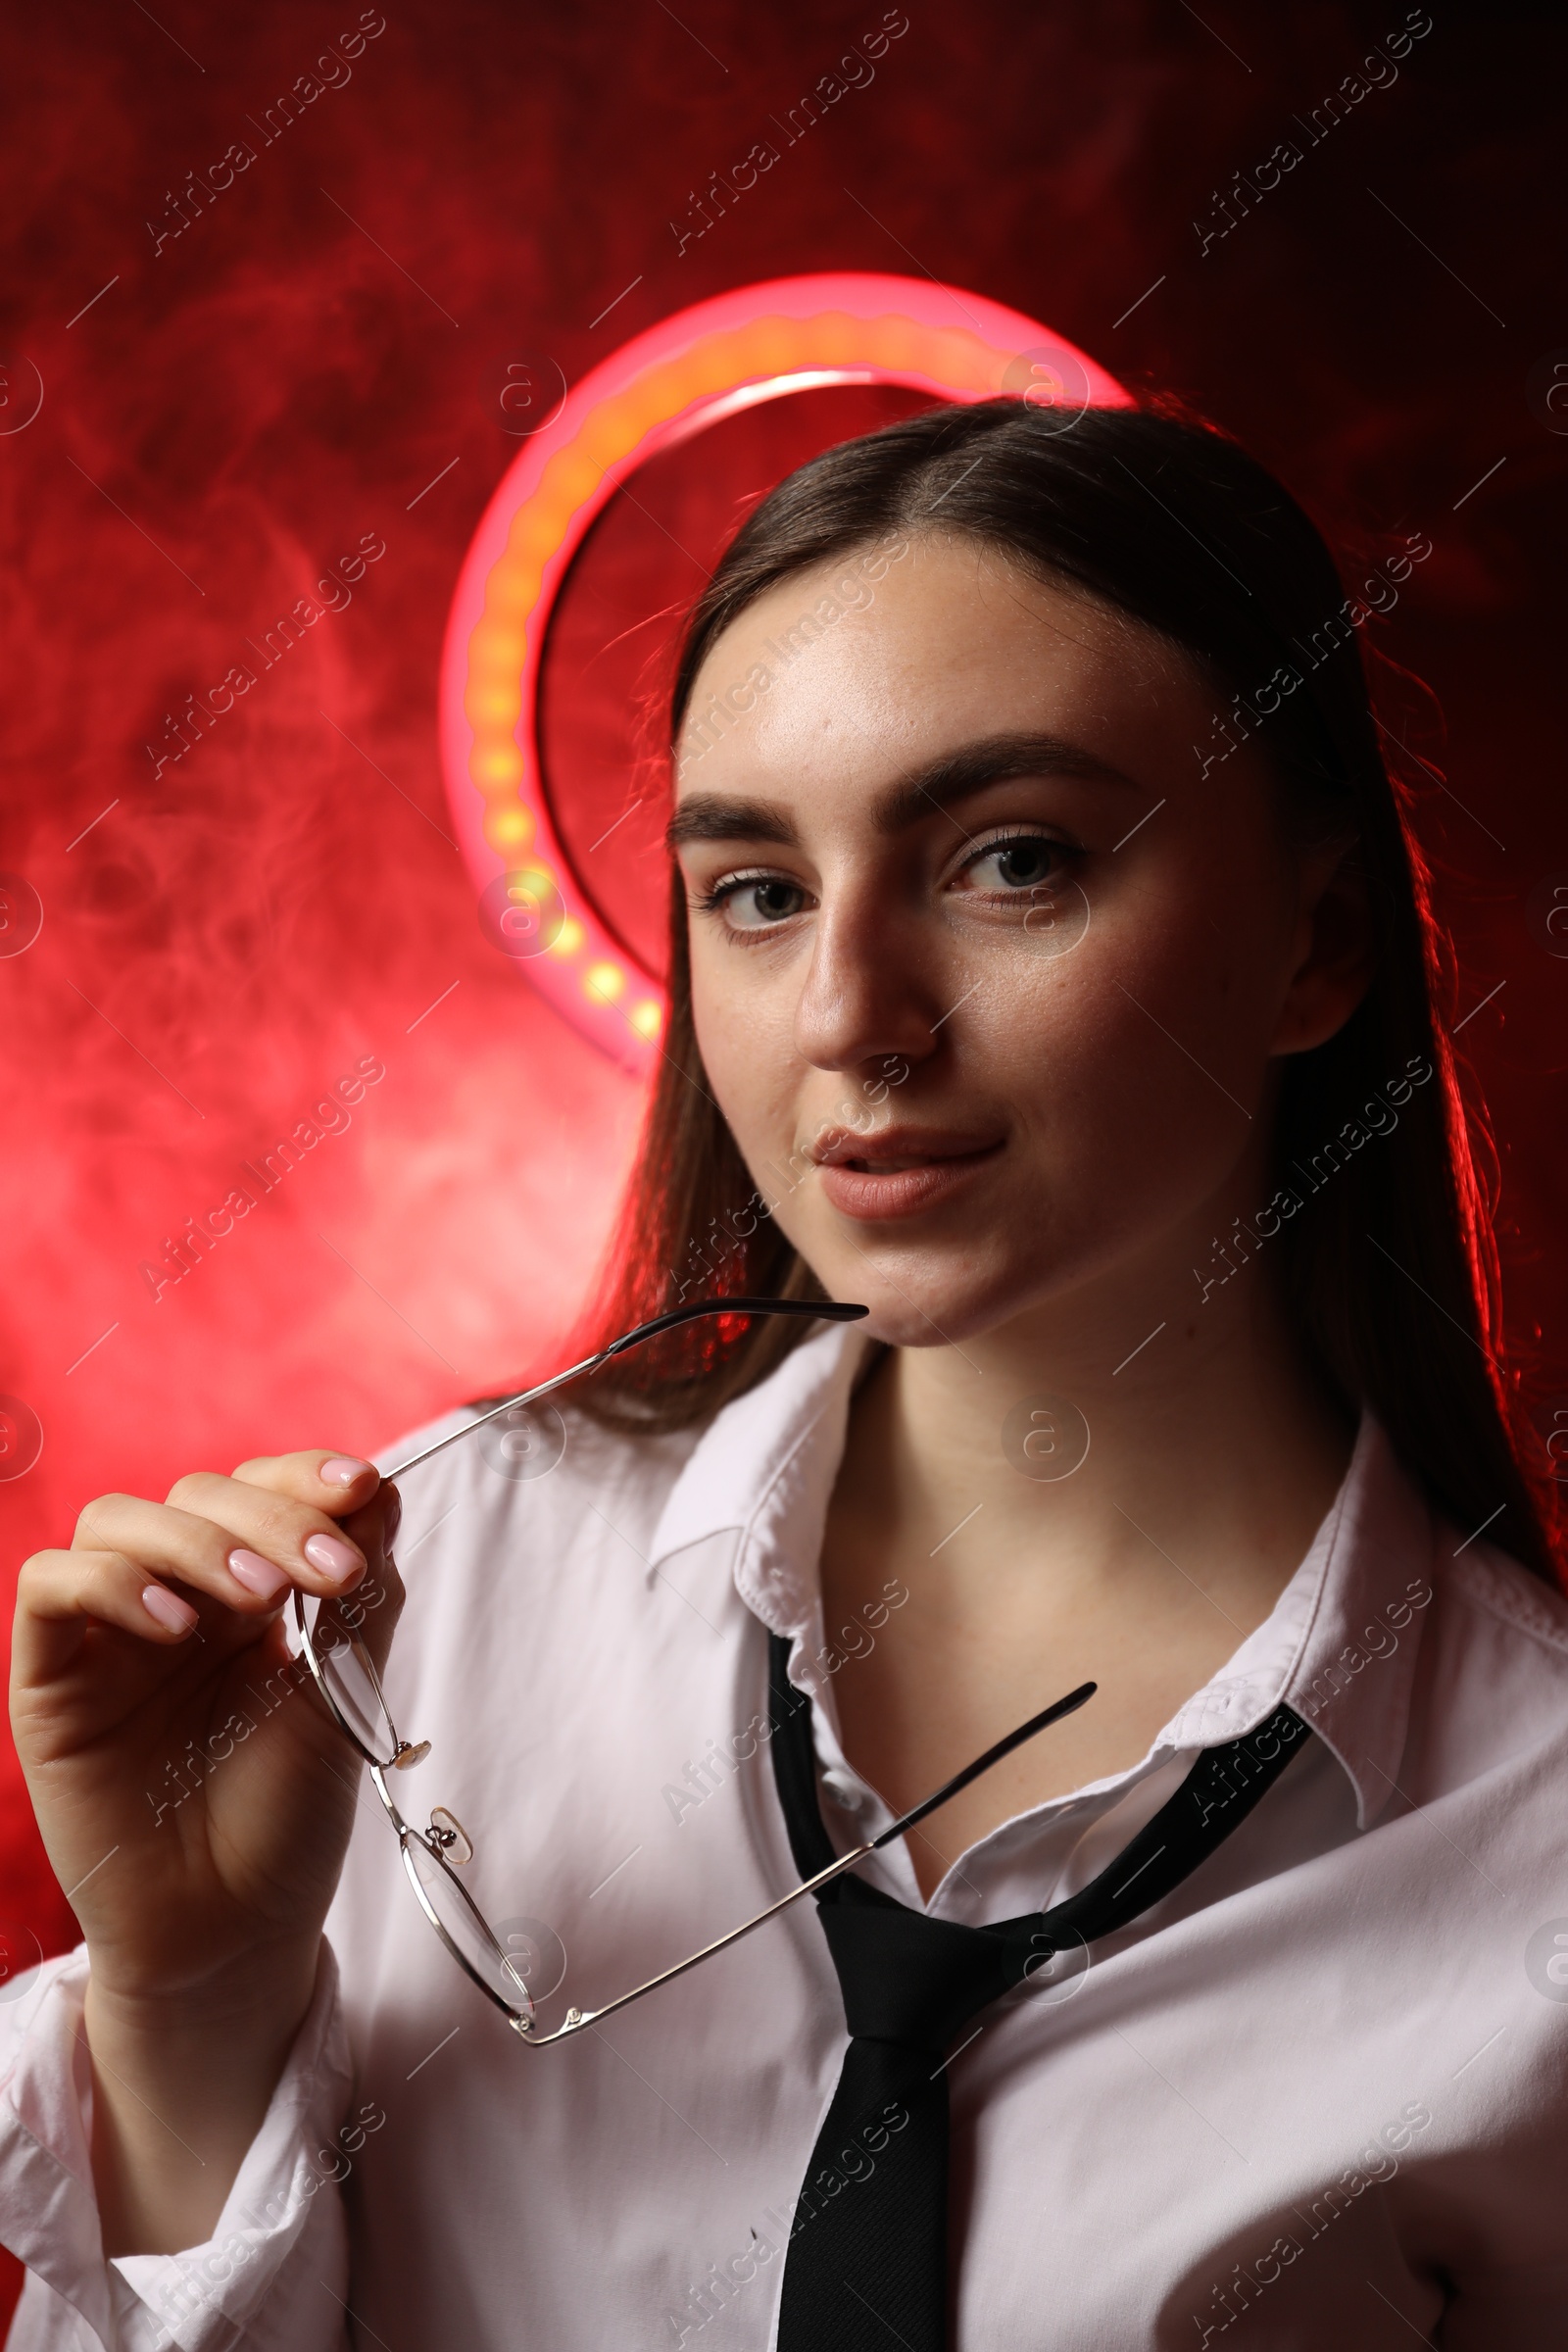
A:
[1115,1444]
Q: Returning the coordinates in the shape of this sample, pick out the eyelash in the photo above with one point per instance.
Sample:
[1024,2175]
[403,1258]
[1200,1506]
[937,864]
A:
[712,900]
[1006,835]
[709,902]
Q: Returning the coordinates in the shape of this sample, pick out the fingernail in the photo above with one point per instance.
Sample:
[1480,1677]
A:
[261,1577]
[175,1616]
[334,1558]
[342,1470]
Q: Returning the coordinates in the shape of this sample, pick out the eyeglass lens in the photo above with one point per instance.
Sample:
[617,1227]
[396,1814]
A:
[349,1675]
[462,1925]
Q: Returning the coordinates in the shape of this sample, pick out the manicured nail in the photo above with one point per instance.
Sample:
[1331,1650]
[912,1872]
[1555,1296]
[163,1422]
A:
[258,1576]
[175,1616]
[334,1558]
[342,1470]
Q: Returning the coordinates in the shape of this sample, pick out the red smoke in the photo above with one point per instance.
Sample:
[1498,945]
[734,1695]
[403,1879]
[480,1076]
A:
[272,336]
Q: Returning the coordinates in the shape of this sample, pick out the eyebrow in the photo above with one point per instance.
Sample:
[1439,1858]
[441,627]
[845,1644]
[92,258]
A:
[956,776]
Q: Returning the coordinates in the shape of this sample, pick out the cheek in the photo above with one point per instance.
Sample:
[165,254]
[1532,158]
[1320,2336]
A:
[743,1015]
[1130,1066]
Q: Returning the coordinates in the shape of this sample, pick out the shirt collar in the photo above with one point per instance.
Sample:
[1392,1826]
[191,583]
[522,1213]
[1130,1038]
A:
[765,1466]
[1356,1611]
[1339,1646]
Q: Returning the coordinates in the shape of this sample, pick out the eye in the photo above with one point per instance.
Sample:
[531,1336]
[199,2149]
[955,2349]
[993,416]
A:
[1017,863]
[753,902]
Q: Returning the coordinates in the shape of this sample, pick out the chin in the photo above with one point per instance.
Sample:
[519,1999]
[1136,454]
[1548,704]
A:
[924,1305]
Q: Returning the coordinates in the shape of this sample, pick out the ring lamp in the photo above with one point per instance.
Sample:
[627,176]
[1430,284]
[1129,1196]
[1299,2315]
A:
[757,343]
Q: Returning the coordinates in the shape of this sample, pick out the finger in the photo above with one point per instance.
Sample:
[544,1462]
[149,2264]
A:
[372,1610]
[60,1593]
[335,1482]
[374,1524]
[242,1544]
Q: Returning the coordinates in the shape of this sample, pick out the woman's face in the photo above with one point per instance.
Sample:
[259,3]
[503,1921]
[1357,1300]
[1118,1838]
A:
[989,977]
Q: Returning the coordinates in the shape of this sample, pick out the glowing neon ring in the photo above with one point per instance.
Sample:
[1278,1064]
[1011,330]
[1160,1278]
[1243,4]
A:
[787,334]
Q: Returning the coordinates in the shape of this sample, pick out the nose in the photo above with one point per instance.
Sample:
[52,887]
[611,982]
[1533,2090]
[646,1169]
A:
[868,992]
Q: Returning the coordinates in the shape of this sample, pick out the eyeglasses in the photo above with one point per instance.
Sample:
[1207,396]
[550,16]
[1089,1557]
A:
[345,1675]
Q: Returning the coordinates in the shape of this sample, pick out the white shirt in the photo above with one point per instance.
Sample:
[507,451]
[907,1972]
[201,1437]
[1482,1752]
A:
[1317,2095]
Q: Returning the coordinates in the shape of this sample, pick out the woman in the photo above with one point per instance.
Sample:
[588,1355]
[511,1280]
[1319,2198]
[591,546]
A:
[1052,975]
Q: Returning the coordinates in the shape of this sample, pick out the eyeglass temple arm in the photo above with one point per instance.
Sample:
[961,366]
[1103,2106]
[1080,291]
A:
[827,1310]
[579,2021]
[993,1755]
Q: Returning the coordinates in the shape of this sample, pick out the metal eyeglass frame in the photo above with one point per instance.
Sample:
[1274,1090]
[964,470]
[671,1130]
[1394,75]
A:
[445,1842]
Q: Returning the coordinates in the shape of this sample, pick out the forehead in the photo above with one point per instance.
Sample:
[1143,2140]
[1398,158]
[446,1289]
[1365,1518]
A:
[912,644]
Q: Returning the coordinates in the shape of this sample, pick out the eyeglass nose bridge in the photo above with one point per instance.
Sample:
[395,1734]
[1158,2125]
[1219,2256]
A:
[447,1833]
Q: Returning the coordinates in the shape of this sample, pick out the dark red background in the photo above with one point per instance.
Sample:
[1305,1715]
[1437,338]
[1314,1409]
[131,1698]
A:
[240,406]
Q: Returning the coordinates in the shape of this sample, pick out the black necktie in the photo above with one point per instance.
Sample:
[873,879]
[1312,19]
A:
[866,2266]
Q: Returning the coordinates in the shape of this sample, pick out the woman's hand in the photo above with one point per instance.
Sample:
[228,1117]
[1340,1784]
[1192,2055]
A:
[194,1794]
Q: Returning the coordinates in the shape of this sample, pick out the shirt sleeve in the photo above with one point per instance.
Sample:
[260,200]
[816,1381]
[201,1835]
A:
[272,2277]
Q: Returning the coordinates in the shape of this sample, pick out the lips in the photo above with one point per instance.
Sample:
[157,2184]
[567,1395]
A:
[901,1171]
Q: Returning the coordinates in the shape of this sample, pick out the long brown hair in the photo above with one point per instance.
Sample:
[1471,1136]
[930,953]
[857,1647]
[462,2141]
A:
[1387,1253]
